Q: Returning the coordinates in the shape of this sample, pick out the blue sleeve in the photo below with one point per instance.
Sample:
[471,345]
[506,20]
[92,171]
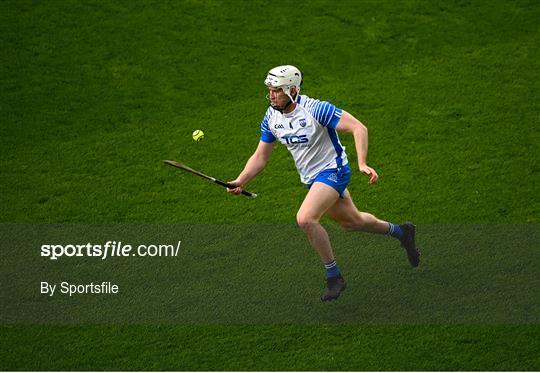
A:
[266,134]
[325,113]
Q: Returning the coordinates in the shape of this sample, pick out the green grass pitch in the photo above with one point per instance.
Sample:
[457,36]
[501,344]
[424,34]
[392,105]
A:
[95,94]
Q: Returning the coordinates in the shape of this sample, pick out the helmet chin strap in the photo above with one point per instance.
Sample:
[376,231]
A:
[281,110]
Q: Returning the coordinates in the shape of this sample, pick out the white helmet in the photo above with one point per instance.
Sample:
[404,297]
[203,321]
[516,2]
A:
[284,77]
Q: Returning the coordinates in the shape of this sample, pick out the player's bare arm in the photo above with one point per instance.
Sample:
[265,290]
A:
[256,163]
[349,123]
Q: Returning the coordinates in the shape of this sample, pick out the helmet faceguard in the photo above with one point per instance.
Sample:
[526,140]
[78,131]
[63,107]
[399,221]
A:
[285,77]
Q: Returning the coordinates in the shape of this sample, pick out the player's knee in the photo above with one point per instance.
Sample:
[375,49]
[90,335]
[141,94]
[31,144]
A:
[305,221]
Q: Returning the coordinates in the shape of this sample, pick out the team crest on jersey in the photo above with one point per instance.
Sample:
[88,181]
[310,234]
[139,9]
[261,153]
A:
[302,122]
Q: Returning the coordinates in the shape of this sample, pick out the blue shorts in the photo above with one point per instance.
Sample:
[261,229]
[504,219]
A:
[336,179]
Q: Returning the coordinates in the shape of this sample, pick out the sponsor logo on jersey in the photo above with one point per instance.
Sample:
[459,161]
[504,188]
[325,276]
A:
[295,139]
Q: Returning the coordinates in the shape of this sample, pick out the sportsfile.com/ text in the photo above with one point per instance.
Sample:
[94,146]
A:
[109,250]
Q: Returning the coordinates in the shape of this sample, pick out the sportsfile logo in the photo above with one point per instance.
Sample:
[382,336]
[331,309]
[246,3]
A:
[109,249]
[294,139]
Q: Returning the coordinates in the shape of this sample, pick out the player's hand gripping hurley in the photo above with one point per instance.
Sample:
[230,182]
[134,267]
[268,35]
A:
[209,178]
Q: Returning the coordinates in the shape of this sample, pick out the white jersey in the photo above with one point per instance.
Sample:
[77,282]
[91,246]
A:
[309,132]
